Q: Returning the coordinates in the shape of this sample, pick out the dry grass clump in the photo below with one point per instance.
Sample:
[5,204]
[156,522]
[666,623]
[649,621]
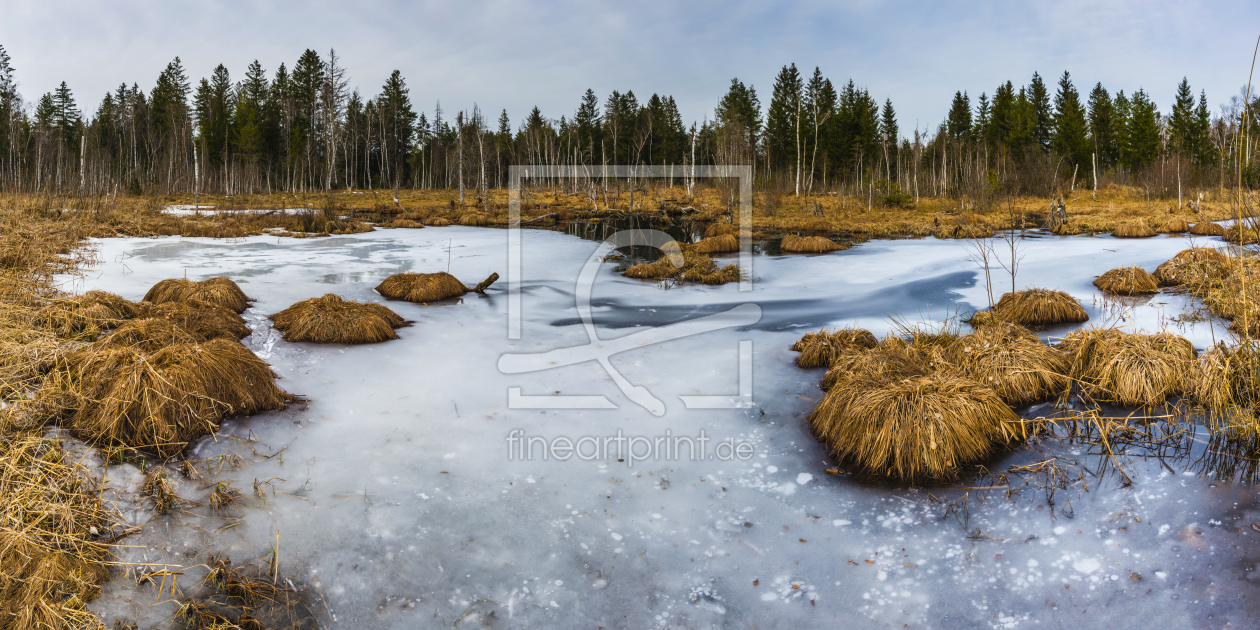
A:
[51,559]
[1225,379]
[201,319]
[1128,281]
[1039,307]
[474,220]
[912,428]
[160,489]
[696,268]
[221,292]
[421,287]
[720,229]
[331,319]
[718,244]
[160,401]
[1175,226]
[404,223]
[808,244]
[1207,228]
[1192,267]
[1133,230]
[893,358]
[1127,369]
[83,317]
[439,222]
[1012,361]
[823,348]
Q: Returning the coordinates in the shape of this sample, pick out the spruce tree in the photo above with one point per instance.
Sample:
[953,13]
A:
[1205,151]
[1068,138]
[1142,139]
[958,125]
[980,128]
[587,121]
[1102,126]
[741,110]
[1003,117]
[1181,122]
[782,119]
[890,136]
[1042,120]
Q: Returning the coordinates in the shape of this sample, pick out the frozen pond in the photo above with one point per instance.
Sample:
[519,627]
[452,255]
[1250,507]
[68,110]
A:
[397,500]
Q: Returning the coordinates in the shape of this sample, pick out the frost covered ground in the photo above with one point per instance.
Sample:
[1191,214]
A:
[397,505]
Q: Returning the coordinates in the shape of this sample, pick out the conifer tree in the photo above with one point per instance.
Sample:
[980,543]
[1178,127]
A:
[1042,120]
[1182,123]
[1142,138]
[958,124]
[1068,138]
[1102,127]
[783,119]
[980,126]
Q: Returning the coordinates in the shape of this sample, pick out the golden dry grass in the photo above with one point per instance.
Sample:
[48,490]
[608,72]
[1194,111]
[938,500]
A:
[808,244]
[893,358]
[203,320]
[1133,230]
[1175,225]
[331,319]
[1128,281]
[1127,369]
[52,558]
[84,317]
[718,244]
[916,428]
[1207,228]
[1224,381]
[823,348]
[696,267]
[160,401]
[221,292]
[1012,361]
[439,222]
[1192,267]
[474,220]
[720,229]
[421,288]
[403,223]
[1039,307]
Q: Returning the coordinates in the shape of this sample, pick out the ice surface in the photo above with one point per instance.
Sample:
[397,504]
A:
[397,505]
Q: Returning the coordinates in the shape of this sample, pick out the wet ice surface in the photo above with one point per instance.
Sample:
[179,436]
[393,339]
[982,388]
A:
[404,510]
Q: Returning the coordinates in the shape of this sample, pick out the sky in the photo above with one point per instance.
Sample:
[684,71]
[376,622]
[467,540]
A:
[518,54]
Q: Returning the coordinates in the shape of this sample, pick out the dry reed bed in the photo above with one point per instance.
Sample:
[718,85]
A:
[331,319]
[809,244]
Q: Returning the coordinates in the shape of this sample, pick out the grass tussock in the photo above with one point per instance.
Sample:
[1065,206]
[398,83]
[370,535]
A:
[1129,369]
[1039,307]
[1224,381]
[52,559]
[1128,281]
[421,288]
[721,229]
[404,223]
[809,244]
[718,244]
[1192,268]
[203,320]
[221,292]
[439,222]
[913,428]
[1175,226]
[821,349]
[1012,361]
[160,401]
[160,489]
[696,267]
[1207,228]
[474,220]
[84,317]
[331,319]
[1134,230]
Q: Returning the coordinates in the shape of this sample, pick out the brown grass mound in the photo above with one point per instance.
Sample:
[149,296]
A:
[920,427]
[1039,307]
[1129,370]
[221,292]
[83,317]
[1192,267]
[160,401]
[720,229]
[893,358]
[808,244]
[203,320]
[718,244]
[1012,361]
[51,560]
[421,287]
[474,220]
[439,222]
[696,268]
[823,348]
[1225,379]
[1128,281]
[404,223]
[1207,228]
[330,319]
[1175,226]
[1133,230]
[150,334]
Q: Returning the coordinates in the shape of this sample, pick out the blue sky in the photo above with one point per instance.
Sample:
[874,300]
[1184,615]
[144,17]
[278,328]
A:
[518,54]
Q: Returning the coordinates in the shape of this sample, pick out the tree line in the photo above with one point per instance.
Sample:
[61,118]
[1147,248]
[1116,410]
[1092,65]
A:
[300,128]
